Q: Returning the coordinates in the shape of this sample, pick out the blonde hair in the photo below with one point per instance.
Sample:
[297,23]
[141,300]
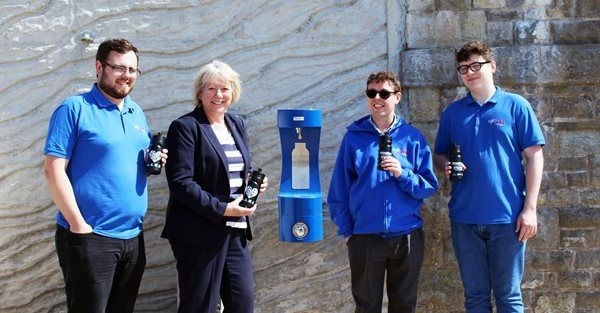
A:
[217,71]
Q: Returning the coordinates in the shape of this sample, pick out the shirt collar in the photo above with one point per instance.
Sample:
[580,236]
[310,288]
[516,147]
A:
[493,98]
[103,102]
[381,132]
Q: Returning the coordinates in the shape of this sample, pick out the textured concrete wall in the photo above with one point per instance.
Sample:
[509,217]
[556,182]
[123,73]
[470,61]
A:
[307,54]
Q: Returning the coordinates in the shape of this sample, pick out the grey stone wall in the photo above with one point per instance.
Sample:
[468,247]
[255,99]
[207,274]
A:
[307,54]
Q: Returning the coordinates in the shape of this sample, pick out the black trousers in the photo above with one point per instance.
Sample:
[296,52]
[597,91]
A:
[372,257]
[206,276]
[101,274]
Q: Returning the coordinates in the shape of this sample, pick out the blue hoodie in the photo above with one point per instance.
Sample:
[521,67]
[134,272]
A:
[364,200]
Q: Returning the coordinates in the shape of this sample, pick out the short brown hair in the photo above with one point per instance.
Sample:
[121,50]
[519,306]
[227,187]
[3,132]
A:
[385,76]
[474,47]
[119,45]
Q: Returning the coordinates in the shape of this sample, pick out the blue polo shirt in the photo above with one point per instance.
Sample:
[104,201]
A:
[492,137]
[105,148]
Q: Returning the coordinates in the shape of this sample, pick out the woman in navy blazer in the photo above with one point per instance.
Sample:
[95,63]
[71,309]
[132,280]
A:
[209,162]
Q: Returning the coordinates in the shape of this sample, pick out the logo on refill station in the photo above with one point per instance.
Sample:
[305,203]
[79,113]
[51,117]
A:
[300,198]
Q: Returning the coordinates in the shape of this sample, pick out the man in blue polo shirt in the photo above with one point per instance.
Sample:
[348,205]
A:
[93,165]
[493,208]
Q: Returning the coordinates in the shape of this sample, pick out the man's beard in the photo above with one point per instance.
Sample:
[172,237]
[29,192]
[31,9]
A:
[117,93]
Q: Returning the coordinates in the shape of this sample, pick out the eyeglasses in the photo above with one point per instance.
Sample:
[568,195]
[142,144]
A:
[120,69]
[475,67]
[383,94]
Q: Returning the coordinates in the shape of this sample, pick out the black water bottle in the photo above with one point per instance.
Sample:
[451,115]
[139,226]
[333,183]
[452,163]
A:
[252,189]
[385,149]
[456,169]
[153,161]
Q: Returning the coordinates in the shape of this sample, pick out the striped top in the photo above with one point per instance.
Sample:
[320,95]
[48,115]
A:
[236,174]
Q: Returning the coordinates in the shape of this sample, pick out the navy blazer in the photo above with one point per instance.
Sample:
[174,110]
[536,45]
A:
[198,177]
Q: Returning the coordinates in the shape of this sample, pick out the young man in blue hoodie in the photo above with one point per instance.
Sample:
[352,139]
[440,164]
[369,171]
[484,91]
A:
[378,210]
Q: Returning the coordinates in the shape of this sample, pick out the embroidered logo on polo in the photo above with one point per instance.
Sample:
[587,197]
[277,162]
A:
[140,128]
[403,152]
[497,122]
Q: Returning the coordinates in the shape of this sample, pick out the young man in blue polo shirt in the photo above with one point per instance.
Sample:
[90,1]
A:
[493,208]
[93,165]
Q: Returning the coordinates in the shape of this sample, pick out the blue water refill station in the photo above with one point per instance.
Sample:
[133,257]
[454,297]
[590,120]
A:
[300,198]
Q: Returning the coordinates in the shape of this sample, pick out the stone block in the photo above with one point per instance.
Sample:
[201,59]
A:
[595,160]
[569,32]
[531,32]
[587,259]
[473,26]
[420,5]
[444,28]
[536,14]
[555,302]
[528,4]
[587,8]
[569,64]
[574,106]
[518,65]
[428,67]
[560,9]
[579,239]
[595,180]
[591,196]
[453,5]
[588,302]
[578,179]
[424,105]
[553,260]
[500,33]
[552,180]
[505,15]
[489,4]
[573,163]
[575,280]
[579,143]
[562,197]
[432,30]
[579,217]
[539,280]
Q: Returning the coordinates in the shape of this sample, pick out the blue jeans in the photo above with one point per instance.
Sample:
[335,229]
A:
[491,259]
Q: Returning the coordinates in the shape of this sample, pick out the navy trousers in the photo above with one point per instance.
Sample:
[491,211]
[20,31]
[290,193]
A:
[207,276]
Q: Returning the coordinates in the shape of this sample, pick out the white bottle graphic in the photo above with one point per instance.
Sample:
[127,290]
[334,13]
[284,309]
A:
[300,169]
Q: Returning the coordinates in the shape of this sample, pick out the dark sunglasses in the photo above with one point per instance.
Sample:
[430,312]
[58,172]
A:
[383,94]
